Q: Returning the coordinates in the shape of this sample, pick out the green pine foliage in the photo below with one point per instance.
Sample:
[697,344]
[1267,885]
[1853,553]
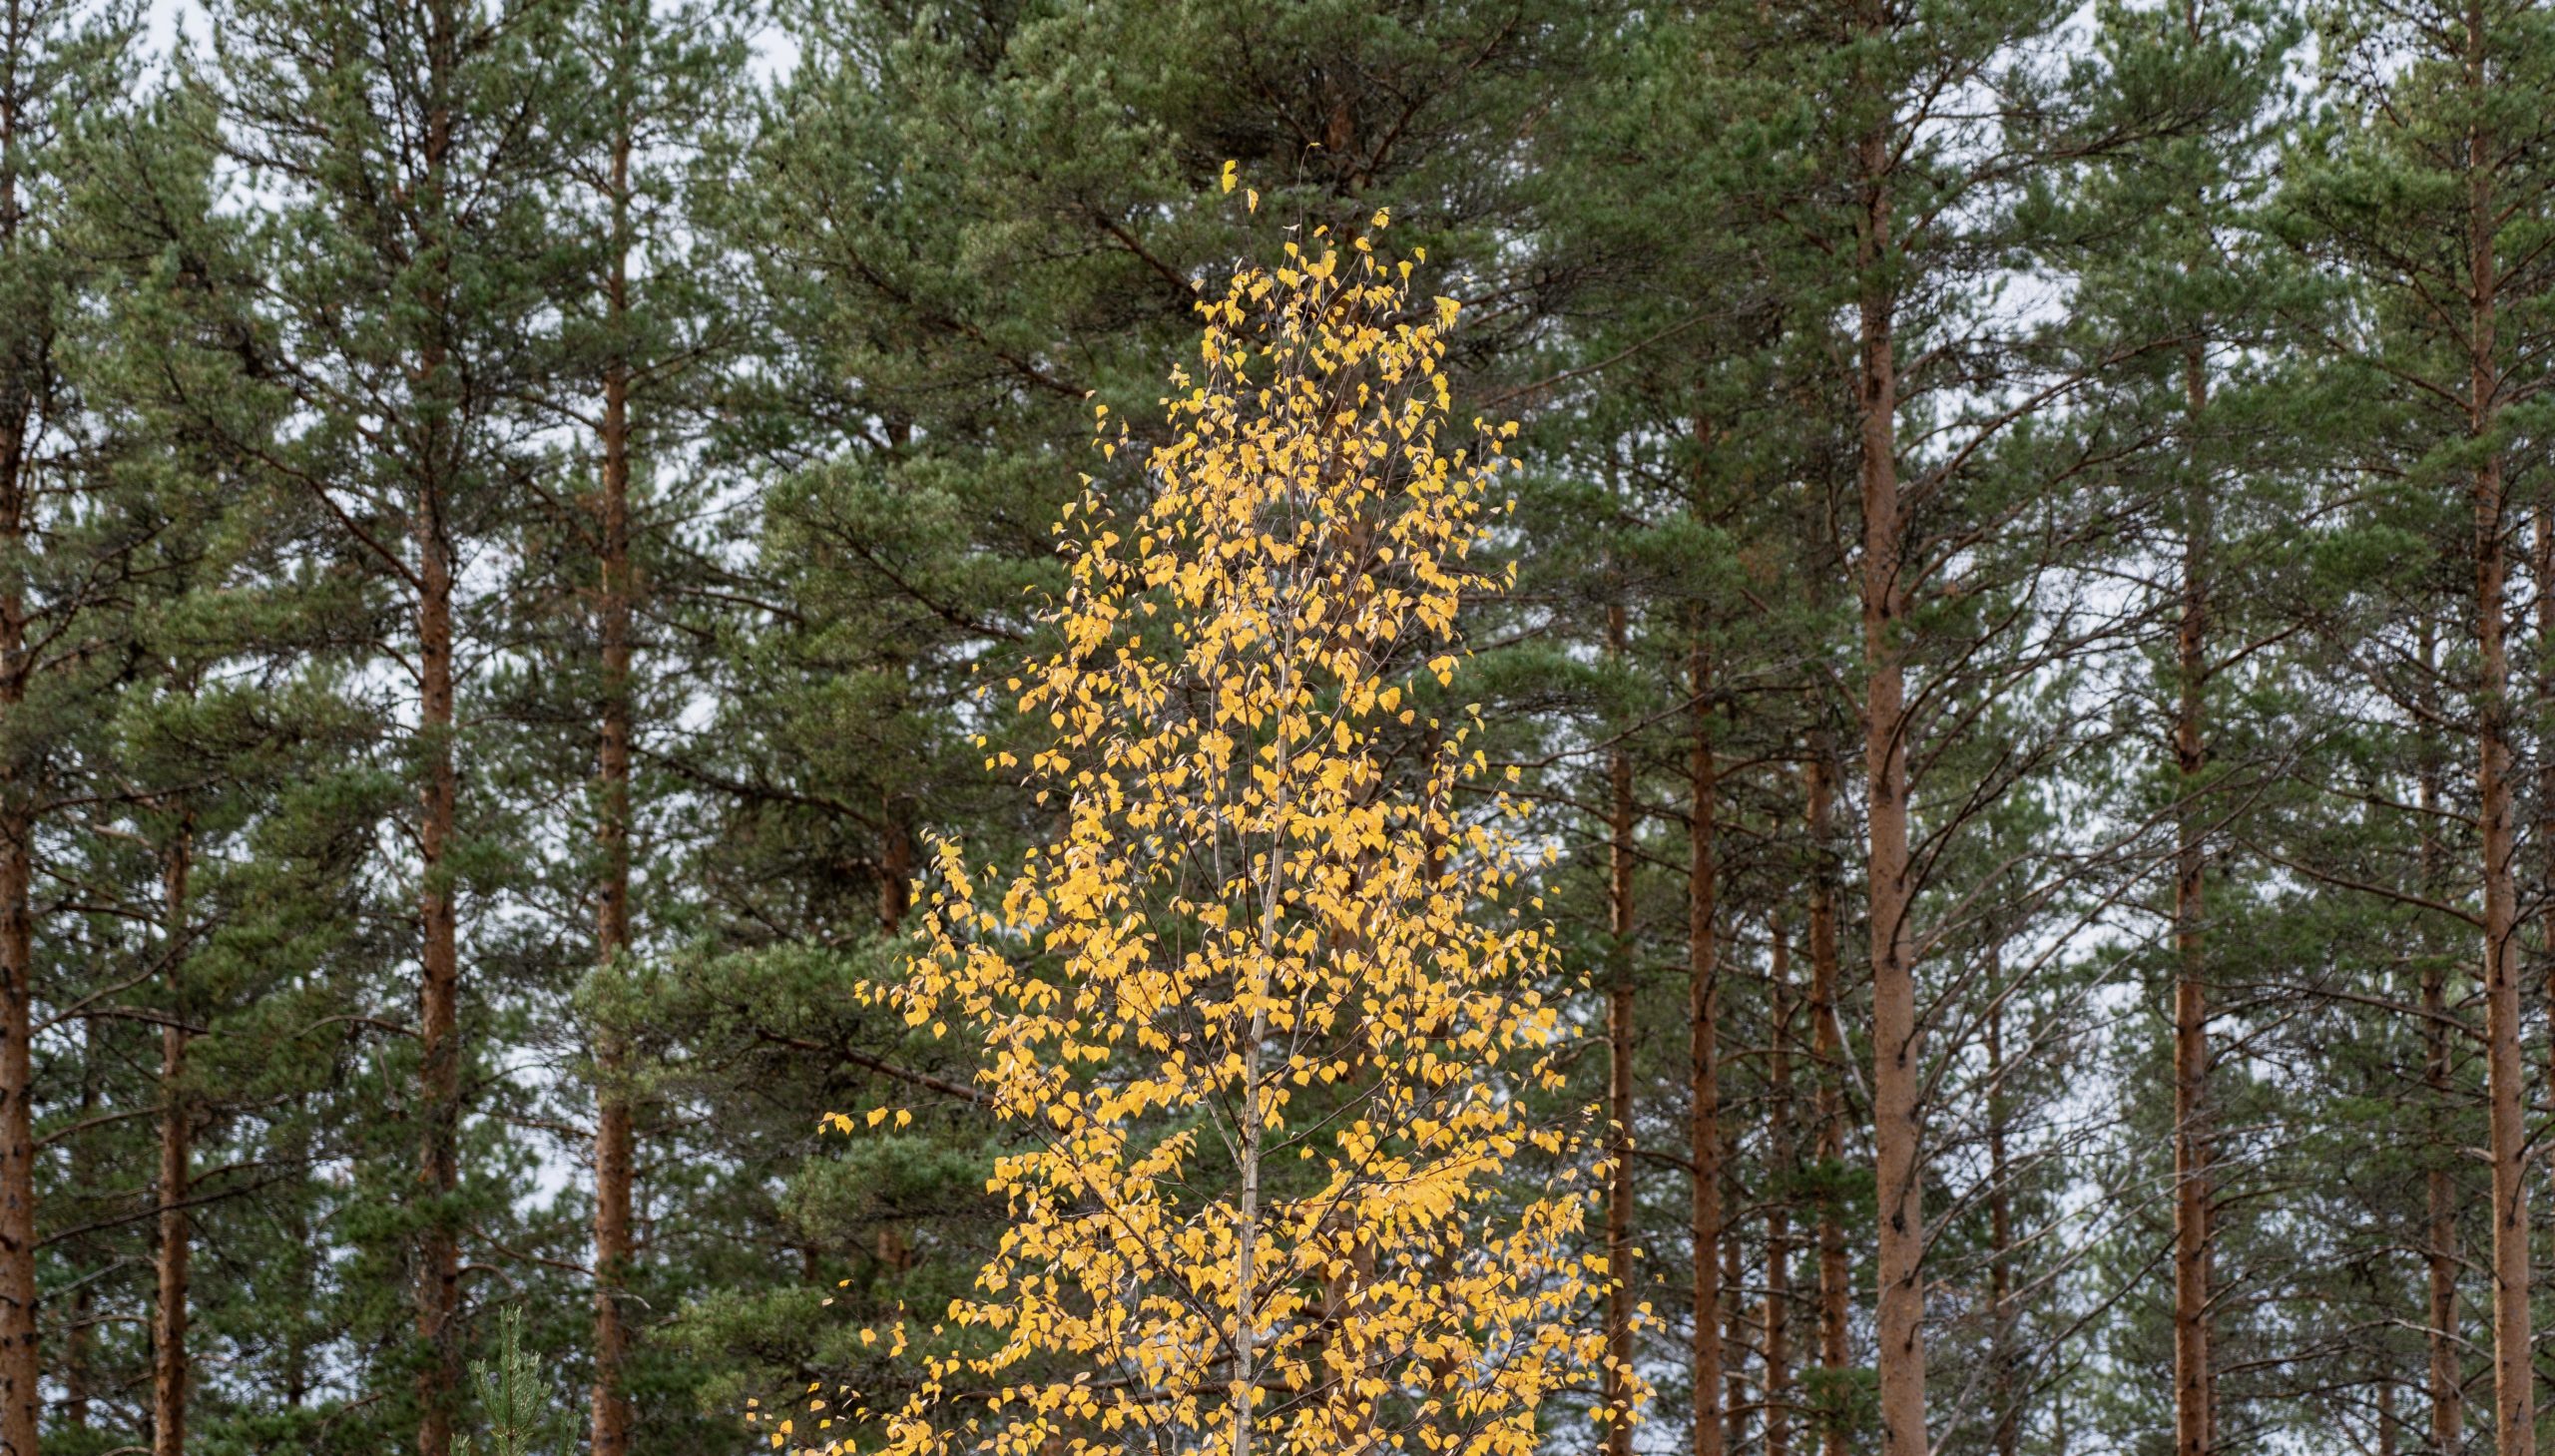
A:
[309,314]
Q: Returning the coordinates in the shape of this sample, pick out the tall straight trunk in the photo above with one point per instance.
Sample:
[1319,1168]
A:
[1827,1043]
[614,1136]
[2441,1256]
[1703,966]
[2192,1386]
[1897,1128]
[2441,1252]
[2000,1219]
[177,1153]
[2544,573]
[21,1358]
[896,852]
[1779,1224]
[438,1259]
[438,1006]
[2545,580]
[2514,1424]
[1734,1337]
[79,1328]
[2504,1076]
[1618,1079]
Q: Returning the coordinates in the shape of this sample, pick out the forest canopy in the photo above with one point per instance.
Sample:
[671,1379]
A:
[1277,726]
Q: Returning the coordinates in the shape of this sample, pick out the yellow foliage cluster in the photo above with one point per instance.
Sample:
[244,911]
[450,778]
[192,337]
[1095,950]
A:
[1265,1020]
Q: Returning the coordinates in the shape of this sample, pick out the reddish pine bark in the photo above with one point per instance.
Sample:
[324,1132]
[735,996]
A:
[438,1247]
[1779,1230]
[1703,963]
[1619,1081]
[2000,1221]
[2192,1383]
[2514,1423]
[172,1260]
[1827,1043]
[1897,1054]
[21,1361]
[614,1136]
[2442,1255]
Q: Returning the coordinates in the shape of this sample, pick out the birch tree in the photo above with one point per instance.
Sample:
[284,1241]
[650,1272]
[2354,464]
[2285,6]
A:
[1268,1025]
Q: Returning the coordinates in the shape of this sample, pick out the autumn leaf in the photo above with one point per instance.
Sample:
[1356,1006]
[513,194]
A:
[1273,1081]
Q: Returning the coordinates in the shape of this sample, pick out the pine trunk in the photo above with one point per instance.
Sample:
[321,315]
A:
[2544,572]
[177,1153]
[1703,964]
[1619,1080]
[2441,1256]
[438,1011]
[21,1358]
[2514,1424]
[614,1136]
[79,1329]
[2545,581]
[1734,1338]
[1827,1043]
[2007,1412]
[2441,1253]
[2192,1415]
[1898,1129]
[1778,1224]
[438,1267]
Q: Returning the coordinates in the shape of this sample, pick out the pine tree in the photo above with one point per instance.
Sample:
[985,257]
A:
[1680,470]
[407,166]
[61,66]
[2168,223]
[1915,149]
[2437,129]
[227,808]
[646,340]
